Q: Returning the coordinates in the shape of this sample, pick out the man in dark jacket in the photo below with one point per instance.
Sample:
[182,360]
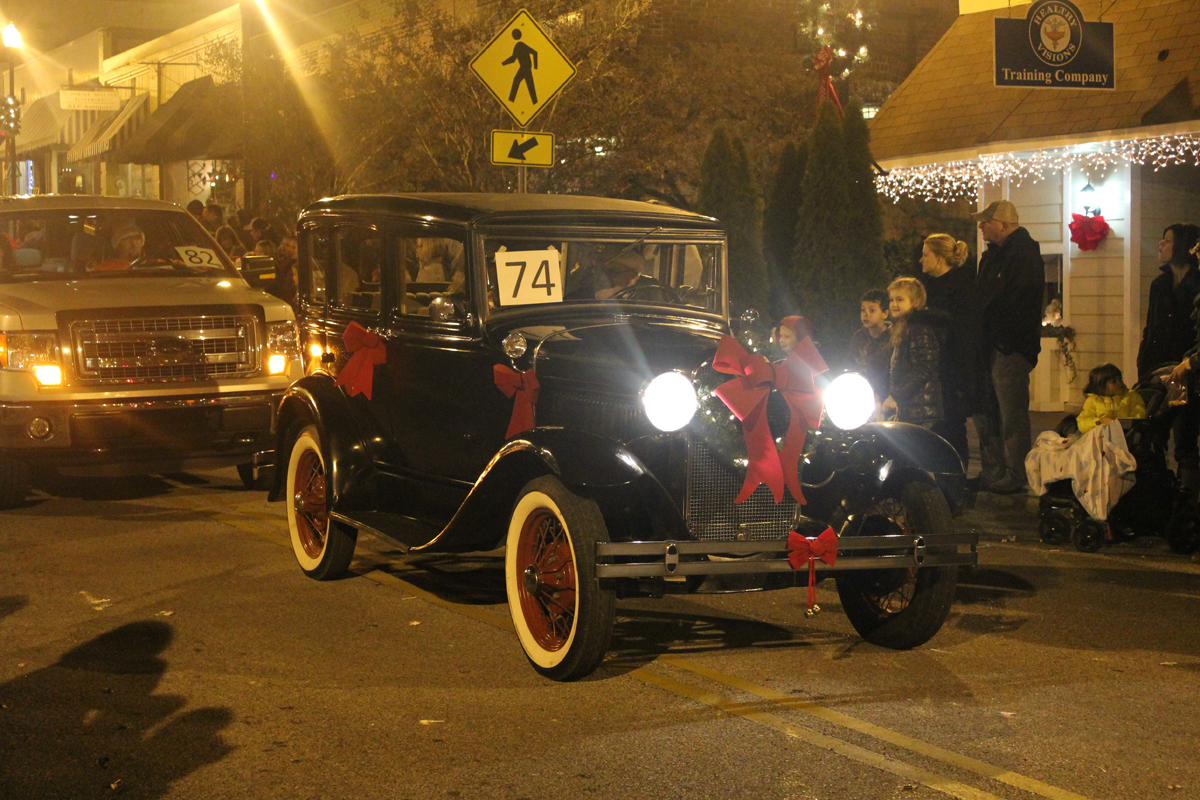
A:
[1011,282]
[1169,333]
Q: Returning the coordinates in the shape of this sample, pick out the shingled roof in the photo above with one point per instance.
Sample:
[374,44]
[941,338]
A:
[949,101]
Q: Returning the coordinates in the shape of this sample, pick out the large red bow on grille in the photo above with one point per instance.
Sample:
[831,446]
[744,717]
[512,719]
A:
[802,550]
[367,350]
[746,396]
[524,388]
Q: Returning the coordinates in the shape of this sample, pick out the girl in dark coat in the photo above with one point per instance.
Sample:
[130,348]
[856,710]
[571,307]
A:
[918,336]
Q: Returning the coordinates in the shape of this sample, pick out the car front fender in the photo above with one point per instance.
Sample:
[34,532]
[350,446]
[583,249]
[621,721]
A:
[350,464]
[916,448]
[633,502]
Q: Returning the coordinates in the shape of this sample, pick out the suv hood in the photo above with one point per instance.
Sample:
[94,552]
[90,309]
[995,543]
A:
[34,306]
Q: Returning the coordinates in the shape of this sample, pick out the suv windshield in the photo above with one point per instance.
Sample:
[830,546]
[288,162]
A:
[525,270]
[99,243]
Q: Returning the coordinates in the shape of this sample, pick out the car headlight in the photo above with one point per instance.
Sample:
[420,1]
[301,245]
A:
[849,401]
[33,352]
[670,401]
[283,346]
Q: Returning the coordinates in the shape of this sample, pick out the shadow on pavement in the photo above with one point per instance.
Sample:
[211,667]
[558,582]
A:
[91,725]
[11,604]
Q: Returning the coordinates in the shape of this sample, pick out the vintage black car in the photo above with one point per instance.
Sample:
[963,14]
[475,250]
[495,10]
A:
[547,374]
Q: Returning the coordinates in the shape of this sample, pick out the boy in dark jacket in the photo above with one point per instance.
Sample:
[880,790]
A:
[870,345]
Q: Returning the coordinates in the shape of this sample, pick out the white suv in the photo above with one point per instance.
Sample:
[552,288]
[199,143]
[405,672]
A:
[129,343]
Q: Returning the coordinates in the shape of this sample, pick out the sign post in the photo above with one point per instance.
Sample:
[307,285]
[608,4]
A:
[524,70]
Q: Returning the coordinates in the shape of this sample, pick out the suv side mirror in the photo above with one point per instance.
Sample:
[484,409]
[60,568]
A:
[258,270]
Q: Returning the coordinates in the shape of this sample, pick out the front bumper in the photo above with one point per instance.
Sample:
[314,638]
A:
[670,559]
[216,429]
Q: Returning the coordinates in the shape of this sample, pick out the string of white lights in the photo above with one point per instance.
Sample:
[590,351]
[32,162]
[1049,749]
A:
[957,180]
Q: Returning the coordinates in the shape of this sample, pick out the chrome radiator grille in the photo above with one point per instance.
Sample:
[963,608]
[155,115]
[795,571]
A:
[710,511]
[161,349]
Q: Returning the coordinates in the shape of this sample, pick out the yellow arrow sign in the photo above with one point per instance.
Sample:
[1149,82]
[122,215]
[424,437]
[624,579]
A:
[523,148]
[522,68]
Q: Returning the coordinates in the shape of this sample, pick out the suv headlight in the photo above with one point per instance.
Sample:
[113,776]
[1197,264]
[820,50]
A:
[849,401]
[32,352]
[283,346]
[670,401]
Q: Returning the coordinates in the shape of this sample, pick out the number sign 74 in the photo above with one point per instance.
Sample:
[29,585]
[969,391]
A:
[528,277]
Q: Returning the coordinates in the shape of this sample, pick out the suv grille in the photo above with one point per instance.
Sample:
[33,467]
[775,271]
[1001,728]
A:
[710,511]
[160,349]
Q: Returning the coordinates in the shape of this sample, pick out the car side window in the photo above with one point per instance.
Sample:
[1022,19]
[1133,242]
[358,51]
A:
[432,281]
[358,254]
[318,245]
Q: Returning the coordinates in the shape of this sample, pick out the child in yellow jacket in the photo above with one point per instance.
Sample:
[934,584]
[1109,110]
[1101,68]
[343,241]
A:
[1107,399]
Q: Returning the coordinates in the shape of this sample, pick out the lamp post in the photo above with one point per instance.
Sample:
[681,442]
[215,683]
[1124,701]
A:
[12,39]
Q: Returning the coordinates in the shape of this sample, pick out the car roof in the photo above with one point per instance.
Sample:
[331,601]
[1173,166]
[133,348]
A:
[465,207]
[82,202]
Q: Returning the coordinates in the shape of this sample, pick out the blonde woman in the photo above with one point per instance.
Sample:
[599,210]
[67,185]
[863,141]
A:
[917,336]
[951,288]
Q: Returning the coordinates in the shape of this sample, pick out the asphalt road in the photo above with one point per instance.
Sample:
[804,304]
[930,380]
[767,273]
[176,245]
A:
[158,640]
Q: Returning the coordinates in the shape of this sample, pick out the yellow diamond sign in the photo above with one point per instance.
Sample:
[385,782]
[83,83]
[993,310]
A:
[522,68]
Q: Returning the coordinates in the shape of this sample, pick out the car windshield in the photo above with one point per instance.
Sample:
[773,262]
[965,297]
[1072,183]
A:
[524,270]
[78,244]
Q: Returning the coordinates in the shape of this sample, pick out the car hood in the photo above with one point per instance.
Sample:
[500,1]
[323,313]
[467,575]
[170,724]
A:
[33,306]
[617,357]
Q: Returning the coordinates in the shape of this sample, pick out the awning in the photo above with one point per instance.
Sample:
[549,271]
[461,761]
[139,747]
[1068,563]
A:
[201,120]
[47,124]
[111,130]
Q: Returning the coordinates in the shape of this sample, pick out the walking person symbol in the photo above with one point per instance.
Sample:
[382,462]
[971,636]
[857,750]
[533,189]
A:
[526,58]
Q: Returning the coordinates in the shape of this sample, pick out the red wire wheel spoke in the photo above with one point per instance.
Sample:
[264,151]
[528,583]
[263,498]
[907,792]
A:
[312,518]
[547,579]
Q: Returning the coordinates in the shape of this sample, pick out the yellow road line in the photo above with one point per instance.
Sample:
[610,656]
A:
[841,748]
[884,734]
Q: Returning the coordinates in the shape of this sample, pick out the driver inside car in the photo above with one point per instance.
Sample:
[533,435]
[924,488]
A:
[624,271]
[128,240]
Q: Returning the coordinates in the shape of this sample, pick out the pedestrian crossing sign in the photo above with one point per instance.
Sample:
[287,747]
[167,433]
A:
[523,68]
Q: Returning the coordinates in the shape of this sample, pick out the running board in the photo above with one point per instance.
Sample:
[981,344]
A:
[669,559]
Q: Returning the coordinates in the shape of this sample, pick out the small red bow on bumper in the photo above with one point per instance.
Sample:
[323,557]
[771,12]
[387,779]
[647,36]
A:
[367,350]
[802,550]
[746,396]
[524,388]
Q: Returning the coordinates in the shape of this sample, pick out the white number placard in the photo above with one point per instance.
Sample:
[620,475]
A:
[529,276]
[199,256]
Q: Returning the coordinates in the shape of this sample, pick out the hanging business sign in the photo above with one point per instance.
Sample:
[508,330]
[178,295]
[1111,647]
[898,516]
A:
[1054,48]
[89,99]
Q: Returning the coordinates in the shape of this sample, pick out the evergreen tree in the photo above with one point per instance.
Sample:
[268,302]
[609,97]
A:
[865,220]
[727,192]
[779,226]
[824,278]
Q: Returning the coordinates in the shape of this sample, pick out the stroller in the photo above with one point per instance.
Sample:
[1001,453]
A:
[1156,505]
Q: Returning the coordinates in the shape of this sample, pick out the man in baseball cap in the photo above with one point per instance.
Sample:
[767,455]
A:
[1011,283]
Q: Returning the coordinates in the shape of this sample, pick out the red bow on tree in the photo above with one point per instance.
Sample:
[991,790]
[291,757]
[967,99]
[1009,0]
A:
[525,387]
[1088,232]
[367,350]
[825,90]
[802,550]
[746,396]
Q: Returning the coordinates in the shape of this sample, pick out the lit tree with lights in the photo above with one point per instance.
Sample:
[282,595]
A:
[843,25]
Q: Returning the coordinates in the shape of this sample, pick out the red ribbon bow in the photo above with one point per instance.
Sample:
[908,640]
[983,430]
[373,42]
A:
[825,90]
[1088,232]
[802,550]
[525,387]
[746,396]
[367,350]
